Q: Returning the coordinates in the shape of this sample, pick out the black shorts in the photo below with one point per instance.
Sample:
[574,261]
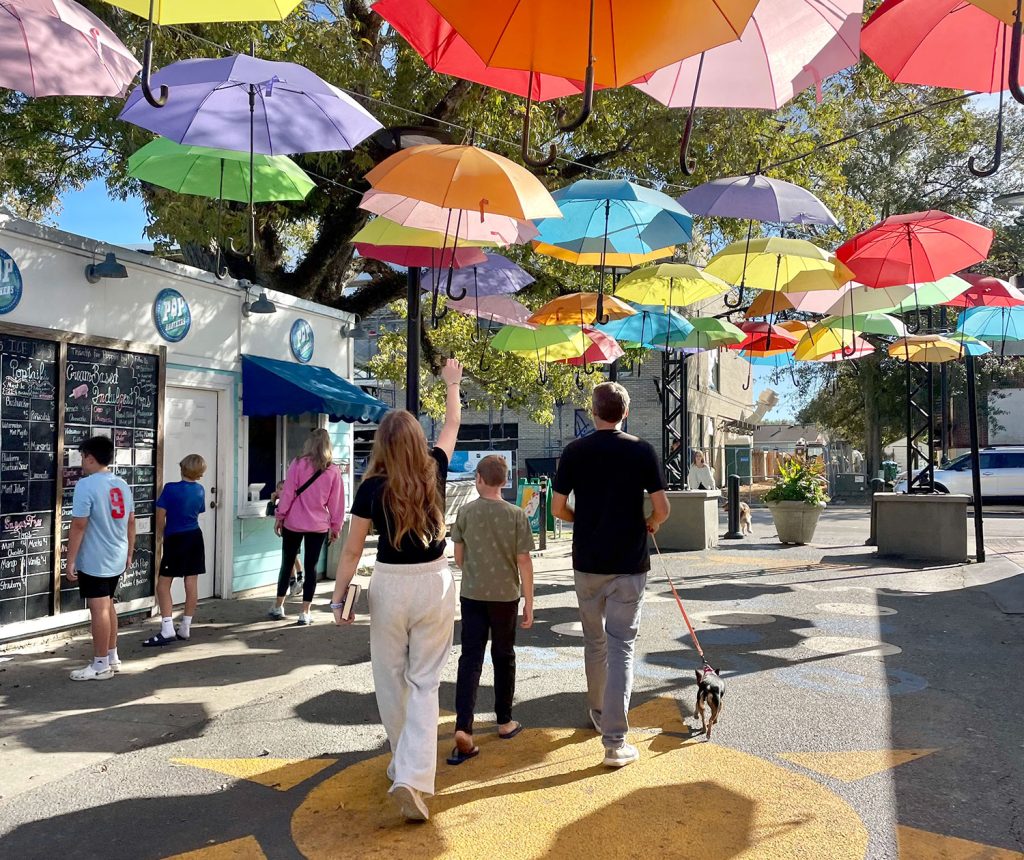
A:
[184,554]
[97,586]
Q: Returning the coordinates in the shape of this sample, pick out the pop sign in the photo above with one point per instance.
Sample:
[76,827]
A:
[10,283]
[302,341]
[172,316]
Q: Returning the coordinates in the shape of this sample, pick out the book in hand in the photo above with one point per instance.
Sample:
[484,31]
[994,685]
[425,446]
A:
[351,595]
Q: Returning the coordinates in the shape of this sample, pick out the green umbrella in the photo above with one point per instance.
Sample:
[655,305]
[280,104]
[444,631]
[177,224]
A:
[547,342]
[874,323]
[221,174]
[709,333]
[932,293]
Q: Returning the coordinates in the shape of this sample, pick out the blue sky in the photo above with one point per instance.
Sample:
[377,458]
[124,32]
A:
[90,212]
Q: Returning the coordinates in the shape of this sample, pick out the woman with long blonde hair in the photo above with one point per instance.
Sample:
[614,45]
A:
[412,592]
[310,510]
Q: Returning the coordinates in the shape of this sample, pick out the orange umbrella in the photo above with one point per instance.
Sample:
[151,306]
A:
[594,258]
[577,308]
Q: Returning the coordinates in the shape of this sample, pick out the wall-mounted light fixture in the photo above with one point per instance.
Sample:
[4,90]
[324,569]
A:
[349,328]
[109,268]
[262,305]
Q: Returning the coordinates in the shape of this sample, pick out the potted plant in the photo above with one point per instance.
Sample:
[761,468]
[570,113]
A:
[797,499]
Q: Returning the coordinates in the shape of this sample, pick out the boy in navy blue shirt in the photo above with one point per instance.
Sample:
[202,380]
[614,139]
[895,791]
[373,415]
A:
[184,554]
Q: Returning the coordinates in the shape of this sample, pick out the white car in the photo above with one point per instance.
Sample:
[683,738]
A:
[1002,474]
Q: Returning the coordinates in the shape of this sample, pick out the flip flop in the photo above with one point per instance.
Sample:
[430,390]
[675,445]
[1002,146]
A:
[511,734]
[159,639]
[458,756]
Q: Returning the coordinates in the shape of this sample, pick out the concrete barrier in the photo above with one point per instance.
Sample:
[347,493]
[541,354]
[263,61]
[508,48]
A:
[932,527]
[693,522]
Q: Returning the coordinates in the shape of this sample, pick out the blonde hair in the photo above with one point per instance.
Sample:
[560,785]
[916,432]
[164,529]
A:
[193,467]
[412,497]
[318,449]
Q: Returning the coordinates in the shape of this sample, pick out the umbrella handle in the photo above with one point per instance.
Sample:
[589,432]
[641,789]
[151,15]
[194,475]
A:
[529,160]
[588,86]
[1015,47]
[734,305]
[542,373]
[997,154]
[147,68]
[846,351]
[450,294]
[482,365]
[220,268]
[238,251]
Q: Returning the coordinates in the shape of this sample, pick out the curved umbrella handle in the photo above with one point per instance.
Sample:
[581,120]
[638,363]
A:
[588,85]
[916,327]
[448,289]
[1015,47]
[542,373]
[997,154]
[482,365]
[750,377]
[147,68]
[685,164]
[220,268]
[739,300]
[247,252]
[529,160]
[847,351]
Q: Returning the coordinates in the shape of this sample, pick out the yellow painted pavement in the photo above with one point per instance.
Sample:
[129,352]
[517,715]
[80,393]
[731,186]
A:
[246,848]
[279,773]
[922,845]
[851,765]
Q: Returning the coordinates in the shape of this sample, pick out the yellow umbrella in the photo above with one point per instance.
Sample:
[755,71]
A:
[670,285]
[464,177]
[545,343]
[785,265]
[820,341]
[579,309]
[593,258]
[205,12]
[926,349]
[381,231]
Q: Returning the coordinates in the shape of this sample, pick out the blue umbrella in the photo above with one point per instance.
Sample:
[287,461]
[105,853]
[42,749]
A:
[1000,324]
[758,198]
[650,328]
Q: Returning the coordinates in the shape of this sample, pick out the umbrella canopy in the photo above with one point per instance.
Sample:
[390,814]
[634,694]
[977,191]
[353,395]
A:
[926,349]
[928,295]
[545,343]
[195,12]
[861,299]
[466,225]
[788,46]
[381,231]
[970,345]
[591,252]
[939,43]
[496,309]
[464,177]
[59,48]
[1004,10]
[650,329]
[777,264]
[993,324]
[758,198]
[921,246]
[579,308]
[411,255]
[603,349]
[771,302]
[872,323]
[775,358]
[709,333]
[294,110]
[494,276]
[447,53]
[987,292]
[221,174]
[859,348]
[670,285]
[628,40]
[763,336]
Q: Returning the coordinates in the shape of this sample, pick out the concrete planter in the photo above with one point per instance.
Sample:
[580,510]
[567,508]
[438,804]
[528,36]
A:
[795,521]
[692,523]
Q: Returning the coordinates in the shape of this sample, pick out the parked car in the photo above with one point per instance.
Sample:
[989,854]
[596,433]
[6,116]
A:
[1002,474]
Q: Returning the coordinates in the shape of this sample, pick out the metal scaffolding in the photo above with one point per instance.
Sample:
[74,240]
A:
[675,418]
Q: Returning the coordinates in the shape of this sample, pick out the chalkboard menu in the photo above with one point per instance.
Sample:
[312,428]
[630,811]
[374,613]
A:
[110,392]
[28,474]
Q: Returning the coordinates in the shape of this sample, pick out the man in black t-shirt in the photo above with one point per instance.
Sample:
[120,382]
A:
[609,471]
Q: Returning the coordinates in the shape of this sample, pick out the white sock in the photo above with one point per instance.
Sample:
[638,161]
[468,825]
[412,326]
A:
[112,656]
[100,664]
[167,627]
[185,625]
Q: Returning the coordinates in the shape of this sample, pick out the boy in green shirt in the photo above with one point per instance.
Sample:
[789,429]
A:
[493,542]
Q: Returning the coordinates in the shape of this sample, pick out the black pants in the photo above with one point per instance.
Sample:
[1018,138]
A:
[290,551]
[480,618]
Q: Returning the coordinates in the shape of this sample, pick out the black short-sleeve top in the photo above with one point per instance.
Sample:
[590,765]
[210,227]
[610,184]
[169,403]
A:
[368,503]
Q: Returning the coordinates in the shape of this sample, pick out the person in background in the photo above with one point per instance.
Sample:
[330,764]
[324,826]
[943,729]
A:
[101,545]
[493,542]
[610,471]
[310,511]
[412,592]
[295,582]
[700,476]
[177,519]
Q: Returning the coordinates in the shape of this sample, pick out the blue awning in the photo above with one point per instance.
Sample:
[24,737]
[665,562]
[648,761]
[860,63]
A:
[272,387]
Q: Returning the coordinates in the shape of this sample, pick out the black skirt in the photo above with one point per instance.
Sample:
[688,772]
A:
[184,554]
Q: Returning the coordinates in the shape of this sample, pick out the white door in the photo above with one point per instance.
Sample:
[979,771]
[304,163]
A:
[190,427]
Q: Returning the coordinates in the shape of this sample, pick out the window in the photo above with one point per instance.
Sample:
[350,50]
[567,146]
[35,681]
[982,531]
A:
[273,442]
[1009,460]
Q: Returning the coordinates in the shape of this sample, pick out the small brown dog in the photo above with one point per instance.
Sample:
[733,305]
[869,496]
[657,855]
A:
[746,522]
[710,692]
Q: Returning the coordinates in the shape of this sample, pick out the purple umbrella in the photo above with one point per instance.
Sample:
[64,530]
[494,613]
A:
[497,276]
[757,198]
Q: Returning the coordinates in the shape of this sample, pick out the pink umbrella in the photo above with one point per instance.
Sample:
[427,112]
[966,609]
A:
[472,226]
[58,48]
[431,258]
[788,46]
[499,309]
[603,349]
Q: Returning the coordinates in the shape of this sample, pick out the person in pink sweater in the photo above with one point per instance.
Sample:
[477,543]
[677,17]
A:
[310,511]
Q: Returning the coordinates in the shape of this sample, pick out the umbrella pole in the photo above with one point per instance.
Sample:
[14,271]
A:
[944,393]
[220,273]
[972,422]
[613,368]
[412,342]
[685,164]
[600,318]
[451,265]
[743,277]
[157,101]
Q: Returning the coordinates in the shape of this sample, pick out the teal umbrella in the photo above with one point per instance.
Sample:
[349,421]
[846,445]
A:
[709,333]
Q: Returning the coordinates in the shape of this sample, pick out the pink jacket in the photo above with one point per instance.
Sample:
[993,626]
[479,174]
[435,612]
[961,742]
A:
[320,508]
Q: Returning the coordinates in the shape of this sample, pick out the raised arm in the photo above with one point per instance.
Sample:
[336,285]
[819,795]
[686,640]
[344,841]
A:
[451,373]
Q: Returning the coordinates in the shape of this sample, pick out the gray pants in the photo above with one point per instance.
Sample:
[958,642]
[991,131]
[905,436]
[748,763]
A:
[610,613]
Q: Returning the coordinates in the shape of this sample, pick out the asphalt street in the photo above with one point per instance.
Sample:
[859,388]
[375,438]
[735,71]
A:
[872,711]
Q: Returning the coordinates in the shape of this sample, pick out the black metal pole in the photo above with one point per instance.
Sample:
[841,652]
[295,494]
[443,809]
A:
[944,395]
[972,422]
[685,385]
[412,343]
[931,429]
[734,532]
[910,439]
[542,542]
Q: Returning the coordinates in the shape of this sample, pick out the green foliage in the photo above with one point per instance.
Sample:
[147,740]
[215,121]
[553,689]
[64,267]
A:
[799,481]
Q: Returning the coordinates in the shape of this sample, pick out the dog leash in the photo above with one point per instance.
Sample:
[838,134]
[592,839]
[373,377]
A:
[682,609]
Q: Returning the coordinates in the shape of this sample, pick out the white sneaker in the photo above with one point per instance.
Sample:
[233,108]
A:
[409,802]
[595,720]
[626,754]
[277,613]
[305,619]
[115,666]
[295,589]
[91,673]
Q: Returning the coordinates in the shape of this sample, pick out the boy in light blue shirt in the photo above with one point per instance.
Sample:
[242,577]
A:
[100,549]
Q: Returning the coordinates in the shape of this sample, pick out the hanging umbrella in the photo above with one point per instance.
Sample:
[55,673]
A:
[778,359]
[986,291]
[500,229]
[591,252]
[970,345]
[819,341]
[59,48]
[788,46]
[928,295]
[494,309]
[546,342]
[777,264]
[603,349]
[926,349]
[993,324]
[764,336]
[920,246]
[757,198]
[412,256]
[669,285]
[869,323]
[496,275]
[577,308]
[709,333]
[381,231]
[768,302]
[861,299]
[860,348]
[650,328]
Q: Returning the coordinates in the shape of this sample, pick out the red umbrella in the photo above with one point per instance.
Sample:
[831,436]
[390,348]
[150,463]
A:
[987,292]
[603,349]
[761,336]
[431,258]
[915,248]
